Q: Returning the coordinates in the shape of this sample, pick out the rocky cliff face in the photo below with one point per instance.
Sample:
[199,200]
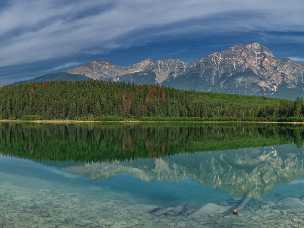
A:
[250,69]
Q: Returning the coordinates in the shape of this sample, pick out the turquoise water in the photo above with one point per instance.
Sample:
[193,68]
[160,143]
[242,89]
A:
[151,176]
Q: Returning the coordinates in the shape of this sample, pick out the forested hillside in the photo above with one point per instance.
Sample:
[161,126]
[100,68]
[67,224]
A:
[96,100]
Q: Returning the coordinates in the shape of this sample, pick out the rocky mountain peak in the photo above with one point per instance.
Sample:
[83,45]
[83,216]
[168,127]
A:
[169,68]
[239,58]
[161,69]
[98,70]
[146,62]
[250,48]
[100,62]
[144,65]
[254,45]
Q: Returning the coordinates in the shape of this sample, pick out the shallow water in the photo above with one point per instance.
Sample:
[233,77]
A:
[151,176]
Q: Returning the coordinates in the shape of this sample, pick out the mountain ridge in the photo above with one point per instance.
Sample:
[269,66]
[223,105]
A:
[246,69]
[105,70]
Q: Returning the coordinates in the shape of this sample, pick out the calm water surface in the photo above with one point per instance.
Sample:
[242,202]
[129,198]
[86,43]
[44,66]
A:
[151,176]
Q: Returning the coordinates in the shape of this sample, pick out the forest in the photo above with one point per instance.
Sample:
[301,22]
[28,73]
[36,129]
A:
[96,100]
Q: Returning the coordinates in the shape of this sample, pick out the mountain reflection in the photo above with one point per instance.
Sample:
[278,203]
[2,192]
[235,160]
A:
[250,172]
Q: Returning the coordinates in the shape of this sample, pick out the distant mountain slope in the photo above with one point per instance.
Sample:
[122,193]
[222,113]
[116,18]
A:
[249,69]
[60,76]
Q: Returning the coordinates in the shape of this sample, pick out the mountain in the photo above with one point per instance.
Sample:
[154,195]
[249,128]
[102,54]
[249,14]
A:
[147,71]
[61,76]
[250,69]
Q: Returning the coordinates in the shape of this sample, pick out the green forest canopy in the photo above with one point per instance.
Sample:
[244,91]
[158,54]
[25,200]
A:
[96,100]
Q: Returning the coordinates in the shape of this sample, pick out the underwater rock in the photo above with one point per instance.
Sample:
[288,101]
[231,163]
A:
[211,209]
[180,210]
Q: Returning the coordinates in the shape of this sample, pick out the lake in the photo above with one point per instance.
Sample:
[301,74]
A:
[183,175]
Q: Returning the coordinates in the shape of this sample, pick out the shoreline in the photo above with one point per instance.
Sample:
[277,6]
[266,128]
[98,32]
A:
[68,122]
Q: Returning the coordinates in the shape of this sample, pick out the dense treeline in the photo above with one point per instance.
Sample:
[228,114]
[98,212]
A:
[101,143]
[98,100]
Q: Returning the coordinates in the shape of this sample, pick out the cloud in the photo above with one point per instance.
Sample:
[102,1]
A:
[63,66]
[41,30]
[297,59]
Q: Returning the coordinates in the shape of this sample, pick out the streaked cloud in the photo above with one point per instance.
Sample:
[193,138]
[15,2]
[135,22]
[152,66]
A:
[63,66]
[40,30]
[297,59]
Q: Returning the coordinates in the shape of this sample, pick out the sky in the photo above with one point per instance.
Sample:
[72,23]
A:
[38,37]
